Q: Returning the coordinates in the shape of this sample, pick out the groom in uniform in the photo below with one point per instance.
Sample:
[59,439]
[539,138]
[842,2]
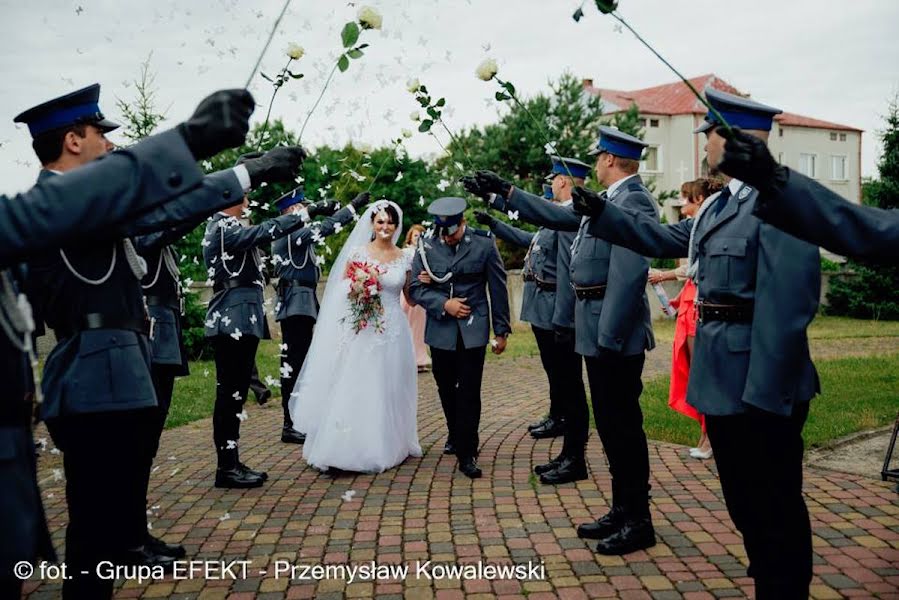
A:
[460,266]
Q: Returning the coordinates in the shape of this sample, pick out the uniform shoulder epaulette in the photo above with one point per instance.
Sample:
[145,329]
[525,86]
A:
[482,232]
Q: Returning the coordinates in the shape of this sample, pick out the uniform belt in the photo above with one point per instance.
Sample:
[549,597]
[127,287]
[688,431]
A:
[592,292]
[296,283]
[100,321]
[162,301]
[231,284]
[731,313]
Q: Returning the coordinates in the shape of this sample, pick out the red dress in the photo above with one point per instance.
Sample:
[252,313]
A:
[684,326]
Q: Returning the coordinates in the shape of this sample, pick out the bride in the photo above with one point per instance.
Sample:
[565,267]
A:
[356,396]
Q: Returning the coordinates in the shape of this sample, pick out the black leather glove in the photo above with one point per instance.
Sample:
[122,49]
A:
[278,165]
[322,207]
[361,200]
[221,121]
[489,182]
[483,218]
[472,187]
[586,202]
[748,159]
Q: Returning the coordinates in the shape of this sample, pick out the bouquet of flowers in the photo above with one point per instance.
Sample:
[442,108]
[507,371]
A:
[364,296]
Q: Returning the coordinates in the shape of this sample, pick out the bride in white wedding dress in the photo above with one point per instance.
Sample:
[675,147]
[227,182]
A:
[356,397]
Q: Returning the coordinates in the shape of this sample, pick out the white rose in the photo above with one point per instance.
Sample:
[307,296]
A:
[412,85]
[415,116]
[295,51]
[406,133]
[369,18]
[486,70]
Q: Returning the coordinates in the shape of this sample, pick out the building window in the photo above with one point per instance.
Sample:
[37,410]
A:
[807,164]
[650,162]
[838,168]
[642,122]
[653,122]
[842,137]
[833,136]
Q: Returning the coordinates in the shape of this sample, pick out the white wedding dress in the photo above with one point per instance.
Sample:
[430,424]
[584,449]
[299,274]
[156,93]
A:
[356,398]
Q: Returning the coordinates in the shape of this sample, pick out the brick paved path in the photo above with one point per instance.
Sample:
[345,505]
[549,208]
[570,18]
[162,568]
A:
[424,511]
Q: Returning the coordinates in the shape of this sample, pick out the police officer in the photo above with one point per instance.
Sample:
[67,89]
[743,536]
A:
[810,211]
[547,272]
[613,330]
[298,270]
[457,271]
[751,375]
[97,388]
[235,323]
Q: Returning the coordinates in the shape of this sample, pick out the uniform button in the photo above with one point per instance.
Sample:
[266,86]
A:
[725,246]
[113,339]
[226,194]
[175,179]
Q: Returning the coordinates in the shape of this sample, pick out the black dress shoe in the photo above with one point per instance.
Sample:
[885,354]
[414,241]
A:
[538,424]
[550,466]
[289,435]
[632,535]
[158,546]
[568,470]
[143,556]
[552,428]
[449,448]
[262,396]
[260,474]
[236,478]
[603,526]
[469,467]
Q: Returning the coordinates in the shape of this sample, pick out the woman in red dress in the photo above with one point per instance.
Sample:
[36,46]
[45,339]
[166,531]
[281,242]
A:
[693,194]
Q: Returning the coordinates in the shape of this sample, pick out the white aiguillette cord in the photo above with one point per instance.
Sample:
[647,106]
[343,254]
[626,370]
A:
[137,264]
[17,322]
[424,261]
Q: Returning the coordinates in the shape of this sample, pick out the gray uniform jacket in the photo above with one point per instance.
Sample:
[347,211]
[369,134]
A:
[619,322]
[765,363]
[102,370]
[537,304]
[97,196]
[294,260]
[230,253]
[817,215]
[477,268]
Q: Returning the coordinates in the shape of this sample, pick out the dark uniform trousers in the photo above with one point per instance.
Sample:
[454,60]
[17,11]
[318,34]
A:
[234,361]
[458,374]
[104,491]
[164,385]
[546,345]
[568,368]
[757,452]
[297,334]
[615,388]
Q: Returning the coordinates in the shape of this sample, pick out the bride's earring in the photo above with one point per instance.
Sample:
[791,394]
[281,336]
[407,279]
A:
[372,236]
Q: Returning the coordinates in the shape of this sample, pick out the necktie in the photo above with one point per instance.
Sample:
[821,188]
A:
[721,201]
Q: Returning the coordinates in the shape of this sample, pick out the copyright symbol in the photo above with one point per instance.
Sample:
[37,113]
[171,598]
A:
[23,569]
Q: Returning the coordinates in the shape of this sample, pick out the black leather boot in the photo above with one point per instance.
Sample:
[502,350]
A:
[289,435]
[568,470]
[550,466]
[554,427]
[229,473]
[538,424]
[469,467]
[159,546]
[635,533]
[603,526]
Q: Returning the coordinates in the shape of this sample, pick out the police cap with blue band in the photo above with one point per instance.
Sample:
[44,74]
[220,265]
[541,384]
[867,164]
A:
[291,198]
[81,107]
[447,213]
[568,166]
[738,112]
[618,143]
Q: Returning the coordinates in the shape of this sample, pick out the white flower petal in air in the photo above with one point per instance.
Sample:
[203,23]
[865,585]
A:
[283,347]
[348,495]
[205,372]
[230,444]
[421,200]
[205,242]
[242,416]
[324,169]
[487,69]
[295,51]
[236,334]
[236,396]
[225,517]
[513,215]
[369,18]
[226,321]
[319,261]
[399,176]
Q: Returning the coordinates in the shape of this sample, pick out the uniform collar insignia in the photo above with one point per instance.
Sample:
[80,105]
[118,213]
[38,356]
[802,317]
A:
[615,193]
[744,193]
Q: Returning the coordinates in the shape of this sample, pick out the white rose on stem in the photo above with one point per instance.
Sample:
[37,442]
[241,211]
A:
[412,85]
[406,133]
[295,51]
[487,70]
[415,116]
[369,18]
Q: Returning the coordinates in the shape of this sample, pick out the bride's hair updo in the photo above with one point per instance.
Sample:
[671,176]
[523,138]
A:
[391,213]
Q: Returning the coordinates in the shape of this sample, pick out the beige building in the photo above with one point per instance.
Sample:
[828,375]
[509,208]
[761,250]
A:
[827,152]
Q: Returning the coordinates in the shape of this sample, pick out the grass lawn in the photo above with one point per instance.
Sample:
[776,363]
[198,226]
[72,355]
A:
[859,393]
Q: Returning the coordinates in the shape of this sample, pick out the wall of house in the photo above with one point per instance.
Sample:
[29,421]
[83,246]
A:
[789,143]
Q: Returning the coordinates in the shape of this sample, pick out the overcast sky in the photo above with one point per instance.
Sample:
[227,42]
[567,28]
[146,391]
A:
[837,61]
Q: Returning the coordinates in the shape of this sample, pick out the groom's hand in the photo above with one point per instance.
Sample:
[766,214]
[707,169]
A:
[457,308]
[499,345]
[424,278]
